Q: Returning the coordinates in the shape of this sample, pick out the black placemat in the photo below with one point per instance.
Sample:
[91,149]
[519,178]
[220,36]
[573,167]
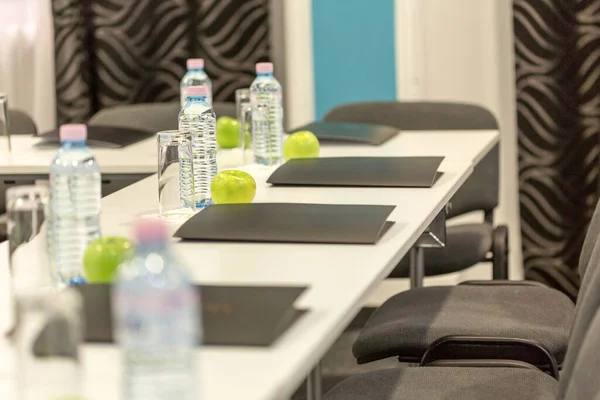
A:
[359,171]
[352,132]
[289,222]
[100,136]
[231,315]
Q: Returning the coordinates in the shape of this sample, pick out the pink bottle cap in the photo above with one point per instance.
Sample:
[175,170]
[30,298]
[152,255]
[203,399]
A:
[149,230]
[73,132]
[196,91]
[195,63]
[264,68]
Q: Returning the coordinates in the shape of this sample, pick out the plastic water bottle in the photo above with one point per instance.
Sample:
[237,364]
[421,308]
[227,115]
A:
[199,118]
[267,116]
[156,313]
[195,76]
[73,211]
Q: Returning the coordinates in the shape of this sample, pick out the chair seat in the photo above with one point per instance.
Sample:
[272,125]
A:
[441,383]
[409,322]
[466,245]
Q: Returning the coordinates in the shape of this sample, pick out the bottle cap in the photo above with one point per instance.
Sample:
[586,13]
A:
[264,68]
[195,63]
[149,230]
[196,91]
[73,132]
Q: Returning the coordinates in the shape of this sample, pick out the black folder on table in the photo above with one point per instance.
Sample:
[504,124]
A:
[352,132]
[112,137]
[289,222]
[231,315]
[359,171]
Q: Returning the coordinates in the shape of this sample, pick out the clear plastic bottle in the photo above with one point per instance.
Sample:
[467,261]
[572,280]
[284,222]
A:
[267,116]
[73,211]
[195,76]
[199,118]
[156,313]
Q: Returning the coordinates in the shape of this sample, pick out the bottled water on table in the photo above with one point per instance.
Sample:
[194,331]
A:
[73,211]
[156,319]
[267,116]
[199,118]
[195,76]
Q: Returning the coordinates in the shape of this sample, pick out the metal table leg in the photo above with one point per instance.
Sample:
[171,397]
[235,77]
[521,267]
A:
[314,389]
[417,267]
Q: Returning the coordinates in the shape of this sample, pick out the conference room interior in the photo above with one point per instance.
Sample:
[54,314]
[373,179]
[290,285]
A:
[446,249]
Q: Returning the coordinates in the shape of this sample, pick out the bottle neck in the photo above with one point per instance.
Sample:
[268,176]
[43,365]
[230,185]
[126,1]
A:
[151,246]
[79,144]
[265,74]
[196,70]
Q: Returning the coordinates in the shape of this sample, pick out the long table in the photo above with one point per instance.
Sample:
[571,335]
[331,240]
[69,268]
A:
[340,277]
[140,158]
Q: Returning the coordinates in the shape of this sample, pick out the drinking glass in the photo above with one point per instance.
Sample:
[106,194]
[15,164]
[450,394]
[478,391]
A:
[244,116]
[27,237]
[175,175]
[4,119]
[47,338]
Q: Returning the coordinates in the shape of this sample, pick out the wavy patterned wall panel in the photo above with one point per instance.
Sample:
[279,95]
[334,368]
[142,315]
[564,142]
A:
[558,104]
[233,36]
[111,52]
[72,64]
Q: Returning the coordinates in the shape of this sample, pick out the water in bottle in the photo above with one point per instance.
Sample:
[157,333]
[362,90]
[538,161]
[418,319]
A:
[199,118]
[195,76]
[73,211]
[267,116]
[157,322]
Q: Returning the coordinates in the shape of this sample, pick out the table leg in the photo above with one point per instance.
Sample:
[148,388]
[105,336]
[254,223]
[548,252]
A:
[417,267]
[314,390]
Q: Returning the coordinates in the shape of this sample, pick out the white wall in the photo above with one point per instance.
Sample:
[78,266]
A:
[462,50]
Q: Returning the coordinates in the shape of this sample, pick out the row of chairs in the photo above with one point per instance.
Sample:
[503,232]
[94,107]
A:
[495,340]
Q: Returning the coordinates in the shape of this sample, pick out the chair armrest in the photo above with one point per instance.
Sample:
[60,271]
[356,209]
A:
[483,364]
[502,282]
[500,252]
[479,348]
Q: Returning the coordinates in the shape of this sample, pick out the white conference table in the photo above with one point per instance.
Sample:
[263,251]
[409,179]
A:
[141,157]
[340,277]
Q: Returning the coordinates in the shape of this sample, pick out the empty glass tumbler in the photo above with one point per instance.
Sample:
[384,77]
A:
[27,237]
[47,337]
[175,174]
[244,116]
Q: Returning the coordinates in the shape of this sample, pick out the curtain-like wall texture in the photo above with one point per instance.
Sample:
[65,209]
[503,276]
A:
[558,104]
[111,52]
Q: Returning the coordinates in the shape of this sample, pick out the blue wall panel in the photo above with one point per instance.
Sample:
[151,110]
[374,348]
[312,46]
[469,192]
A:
[353,45]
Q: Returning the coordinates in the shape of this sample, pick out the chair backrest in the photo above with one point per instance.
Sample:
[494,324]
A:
[593,231]
[152,117]
[584,383]
[481,190]
[585,310]
[19,123]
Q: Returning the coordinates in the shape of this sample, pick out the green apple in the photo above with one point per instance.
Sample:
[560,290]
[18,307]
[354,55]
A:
[232,186]
[303,144]
[103,256]
[228,132]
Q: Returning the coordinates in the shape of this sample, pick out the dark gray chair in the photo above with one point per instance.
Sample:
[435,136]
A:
[449,376]
[408,324]
[466,244]
[152,117]
[20,123]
